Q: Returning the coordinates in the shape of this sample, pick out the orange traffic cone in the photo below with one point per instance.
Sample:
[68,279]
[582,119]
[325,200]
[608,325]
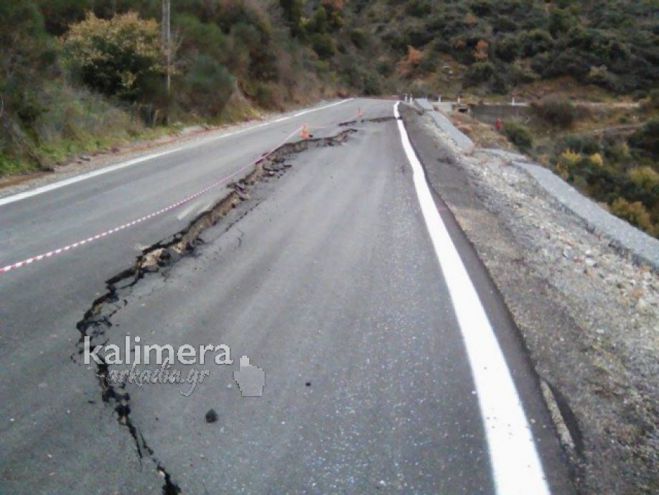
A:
[304,133]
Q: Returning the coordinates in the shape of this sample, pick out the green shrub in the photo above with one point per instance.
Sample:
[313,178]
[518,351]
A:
[646,139]
[581,144]
[323,45]
[12,166]
[60,14]
[534,42]
[635,213]
[482,7]
[418,35]
[507,48]
[652,102]
[519,73]
[26,58]
[615,149]
[208,86]
[556,111]
[254,40]
[384,68]
[293,15]
[319,23]
[646,178]
[418,8]
[199,37]
[479,73]
[518,135]
[266,95]
[372,84]
[359,38]
[560,22]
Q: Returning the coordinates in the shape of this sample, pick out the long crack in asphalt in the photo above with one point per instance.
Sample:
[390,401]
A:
[97,320]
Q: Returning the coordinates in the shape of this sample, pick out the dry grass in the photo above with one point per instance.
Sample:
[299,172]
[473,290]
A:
[483,135]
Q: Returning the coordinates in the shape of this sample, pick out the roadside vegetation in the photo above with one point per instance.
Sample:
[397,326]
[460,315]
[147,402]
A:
[81,75]
[78,76]
[609,153]
[496,46]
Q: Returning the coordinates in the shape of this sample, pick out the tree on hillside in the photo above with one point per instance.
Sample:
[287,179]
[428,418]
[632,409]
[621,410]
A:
[293,15]
[117,57]
[25,49]
[209,86]
[26,54]
[59,14]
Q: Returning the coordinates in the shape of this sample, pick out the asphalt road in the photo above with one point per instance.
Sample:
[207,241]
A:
[326,278]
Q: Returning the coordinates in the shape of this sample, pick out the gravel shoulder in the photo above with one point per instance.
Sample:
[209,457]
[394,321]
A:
[644,248]
[588,312]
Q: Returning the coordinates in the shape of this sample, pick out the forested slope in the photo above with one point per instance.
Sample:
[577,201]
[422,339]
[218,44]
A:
[80,75]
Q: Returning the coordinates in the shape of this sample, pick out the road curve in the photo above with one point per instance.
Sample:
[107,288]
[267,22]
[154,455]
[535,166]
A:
[327,276]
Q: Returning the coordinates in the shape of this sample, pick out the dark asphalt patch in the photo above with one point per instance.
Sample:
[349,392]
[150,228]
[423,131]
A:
[211,416]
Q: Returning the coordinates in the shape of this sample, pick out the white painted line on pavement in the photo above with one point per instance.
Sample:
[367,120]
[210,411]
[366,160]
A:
[173,206]
[79,178]
[516,466]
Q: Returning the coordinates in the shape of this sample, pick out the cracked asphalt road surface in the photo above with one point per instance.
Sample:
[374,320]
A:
[324,276]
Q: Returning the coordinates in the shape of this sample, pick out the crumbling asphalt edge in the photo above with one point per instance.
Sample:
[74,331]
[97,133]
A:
[158,258]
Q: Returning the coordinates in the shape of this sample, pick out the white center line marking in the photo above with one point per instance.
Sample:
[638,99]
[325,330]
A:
[516,466]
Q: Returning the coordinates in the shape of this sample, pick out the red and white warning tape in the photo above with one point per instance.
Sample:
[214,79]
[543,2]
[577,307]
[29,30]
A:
[137,221]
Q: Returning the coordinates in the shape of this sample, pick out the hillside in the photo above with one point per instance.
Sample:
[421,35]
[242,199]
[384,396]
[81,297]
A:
[82,75]
[490,46]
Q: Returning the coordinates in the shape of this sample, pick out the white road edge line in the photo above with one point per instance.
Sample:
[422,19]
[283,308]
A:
[79,178]
[516,466]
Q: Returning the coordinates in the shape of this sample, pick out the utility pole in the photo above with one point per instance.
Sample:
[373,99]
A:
[167,41]
[167,47]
